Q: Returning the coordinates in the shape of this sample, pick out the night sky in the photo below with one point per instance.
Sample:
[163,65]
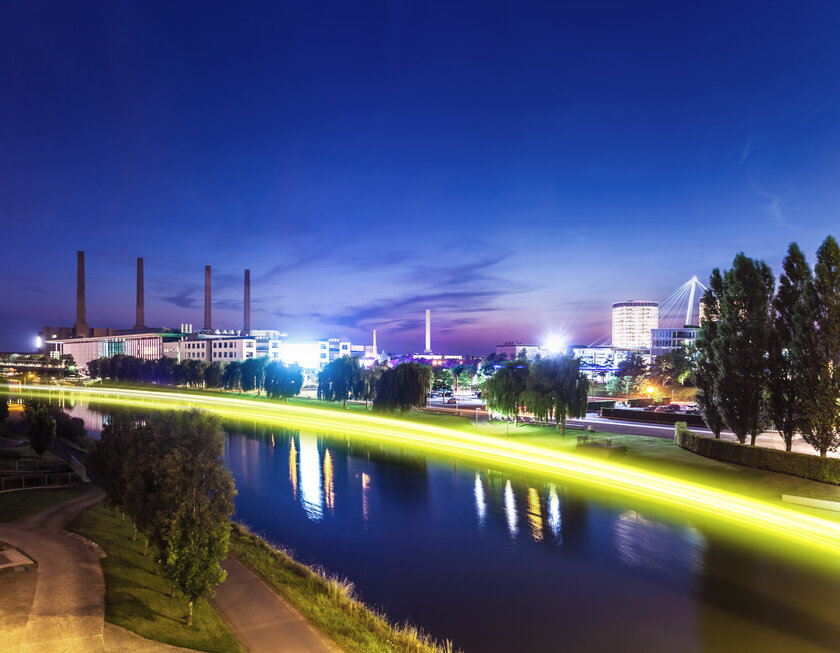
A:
[515,167]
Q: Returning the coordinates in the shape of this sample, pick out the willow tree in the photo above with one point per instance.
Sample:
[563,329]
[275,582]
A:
[821,414]
[570,390]
[741,345]
[503,391]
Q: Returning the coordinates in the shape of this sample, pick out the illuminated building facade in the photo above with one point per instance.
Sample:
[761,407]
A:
[632,322]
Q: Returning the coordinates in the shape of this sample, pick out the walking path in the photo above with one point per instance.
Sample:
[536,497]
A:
[261,620]
[68,611]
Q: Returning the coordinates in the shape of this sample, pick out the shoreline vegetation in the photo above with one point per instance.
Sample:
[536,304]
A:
[328,602]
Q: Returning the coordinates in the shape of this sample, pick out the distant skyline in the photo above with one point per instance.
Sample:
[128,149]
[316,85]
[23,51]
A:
[514,167]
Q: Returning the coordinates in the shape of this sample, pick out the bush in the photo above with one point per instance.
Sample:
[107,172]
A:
[598,405]
[802,465]
[650,416]
[640,402]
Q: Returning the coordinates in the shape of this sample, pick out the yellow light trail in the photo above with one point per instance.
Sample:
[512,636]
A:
[759,516]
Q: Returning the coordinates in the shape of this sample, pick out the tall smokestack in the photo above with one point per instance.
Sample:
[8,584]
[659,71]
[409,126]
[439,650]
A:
[428,331]
[207,316]
[81,327]
[247,325]
[375,353]
[141,299]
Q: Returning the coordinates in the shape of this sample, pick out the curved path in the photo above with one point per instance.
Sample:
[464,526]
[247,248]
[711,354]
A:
[68,611]
[262,620]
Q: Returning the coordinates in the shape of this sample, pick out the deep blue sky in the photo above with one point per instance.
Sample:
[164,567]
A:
[515,167]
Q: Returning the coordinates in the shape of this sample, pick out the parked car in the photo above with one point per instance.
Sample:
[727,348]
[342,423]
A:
[674,408]
[451,400]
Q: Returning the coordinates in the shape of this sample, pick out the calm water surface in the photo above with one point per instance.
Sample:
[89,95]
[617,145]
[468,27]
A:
[500,563]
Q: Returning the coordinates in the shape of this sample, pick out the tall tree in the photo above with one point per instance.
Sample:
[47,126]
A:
[503,391]
[4,407]
[109,454]
[634,365]
[788,363]
[821,405]
[705,369]
[570,389]
[403,387]
[40,428]
[232,376]
[741,346]
[337,379]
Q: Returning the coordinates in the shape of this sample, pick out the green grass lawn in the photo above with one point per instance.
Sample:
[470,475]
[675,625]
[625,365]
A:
[22,503]
[327,603]
[137,599]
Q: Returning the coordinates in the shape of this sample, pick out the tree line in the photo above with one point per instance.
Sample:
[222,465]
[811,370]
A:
[168,475]
[549,388]
[400,388]
[277,379]
[769,354]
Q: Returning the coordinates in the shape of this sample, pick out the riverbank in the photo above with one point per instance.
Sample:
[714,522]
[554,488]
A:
[138,600]
[328,603]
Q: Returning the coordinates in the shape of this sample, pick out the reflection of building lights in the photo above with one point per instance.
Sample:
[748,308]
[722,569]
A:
[554,521]
[815,539]
[311,496]
[293,470]
[365,490]
[535,515]
[480,503]
[510,509]
[329,487]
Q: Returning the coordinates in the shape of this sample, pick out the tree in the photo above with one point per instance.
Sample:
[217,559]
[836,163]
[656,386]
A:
[442,380]
[570,390]
[634,365]
[282,381]
[213,374]
[232,376]
[537,397]
[792,323]
[4,407]
[109,454]
[503,391]
[253,373]
[705,366]
[402,387]
[40,428]
[741,345]
[337,379]
[821,345]
[199,492]
[672,368]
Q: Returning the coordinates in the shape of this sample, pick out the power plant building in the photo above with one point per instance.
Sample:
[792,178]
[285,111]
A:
[632,323]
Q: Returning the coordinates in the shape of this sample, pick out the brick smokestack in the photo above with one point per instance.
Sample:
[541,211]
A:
[247,323]
[207,309]
[428,331]
[81,327]
[141,298]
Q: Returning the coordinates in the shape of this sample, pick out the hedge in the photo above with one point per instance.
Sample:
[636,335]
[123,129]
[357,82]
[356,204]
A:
[803,465]
[598,405]
[650,416]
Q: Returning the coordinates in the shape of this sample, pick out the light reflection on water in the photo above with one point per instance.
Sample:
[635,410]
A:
[438,544]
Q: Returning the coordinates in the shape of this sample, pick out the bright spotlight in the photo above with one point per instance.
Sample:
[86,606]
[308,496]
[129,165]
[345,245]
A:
[555,343]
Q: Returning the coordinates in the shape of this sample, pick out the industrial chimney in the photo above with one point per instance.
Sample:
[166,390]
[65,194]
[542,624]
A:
[80,328]
[375,353]
[247,324]
[141,301]
[207,311]
[428,331]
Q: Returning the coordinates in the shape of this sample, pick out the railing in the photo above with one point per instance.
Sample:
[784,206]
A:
[48,479]
[79,468]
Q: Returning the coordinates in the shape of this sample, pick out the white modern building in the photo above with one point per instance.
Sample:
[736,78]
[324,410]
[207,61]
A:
[148,346]
[514,350]
[632,323]
[665,340]
[211,349]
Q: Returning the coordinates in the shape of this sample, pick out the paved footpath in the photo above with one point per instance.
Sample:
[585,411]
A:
[261,620]
[68,611]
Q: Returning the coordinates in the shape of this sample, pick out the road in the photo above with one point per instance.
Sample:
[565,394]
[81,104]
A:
[768,439]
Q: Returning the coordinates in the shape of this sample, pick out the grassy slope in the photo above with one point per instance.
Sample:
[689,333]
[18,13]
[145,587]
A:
[327,604]
[138,600]
[22,503]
